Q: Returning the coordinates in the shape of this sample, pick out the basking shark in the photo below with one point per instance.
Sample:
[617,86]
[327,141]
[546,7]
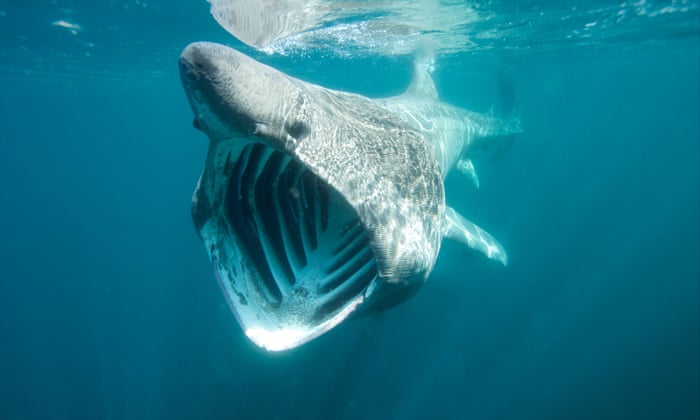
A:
[316,205]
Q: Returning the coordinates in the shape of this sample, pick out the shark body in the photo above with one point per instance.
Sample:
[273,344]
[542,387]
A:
[316,204]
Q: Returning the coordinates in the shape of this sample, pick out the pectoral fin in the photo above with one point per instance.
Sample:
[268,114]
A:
[462,230]
[466,167]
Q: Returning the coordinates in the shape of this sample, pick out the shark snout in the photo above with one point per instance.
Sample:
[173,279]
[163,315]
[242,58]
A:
[213,86]
[199,66]
[208,58]
[194,57]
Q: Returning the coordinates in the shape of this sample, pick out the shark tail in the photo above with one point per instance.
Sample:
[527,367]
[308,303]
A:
[490,126]
[507,106]
[501,131]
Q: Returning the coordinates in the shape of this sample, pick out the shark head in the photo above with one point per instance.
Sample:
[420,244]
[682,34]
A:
[231,94]
[314,205]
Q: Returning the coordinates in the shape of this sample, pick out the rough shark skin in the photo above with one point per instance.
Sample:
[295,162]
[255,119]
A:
[315,204]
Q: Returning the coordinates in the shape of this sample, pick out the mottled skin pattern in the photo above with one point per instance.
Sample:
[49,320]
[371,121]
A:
[388,173]
[376,153]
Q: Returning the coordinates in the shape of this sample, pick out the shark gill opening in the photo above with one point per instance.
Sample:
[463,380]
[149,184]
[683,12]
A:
[300,235]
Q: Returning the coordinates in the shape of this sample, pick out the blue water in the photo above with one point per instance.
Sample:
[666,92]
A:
[109,308]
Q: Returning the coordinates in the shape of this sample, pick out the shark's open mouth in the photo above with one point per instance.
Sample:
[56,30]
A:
[305,256]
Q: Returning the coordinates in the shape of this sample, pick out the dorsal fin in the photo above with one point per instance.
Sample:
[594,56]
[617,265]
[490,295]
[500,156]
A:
[422,85]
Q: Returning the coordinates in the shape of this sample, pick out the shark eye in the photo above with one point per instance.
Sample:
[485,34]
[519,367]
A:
[298,129]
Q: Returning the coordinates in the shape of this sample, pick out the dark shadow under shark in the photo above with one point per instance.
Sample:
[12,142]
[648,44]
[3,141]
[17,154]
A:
[316,204]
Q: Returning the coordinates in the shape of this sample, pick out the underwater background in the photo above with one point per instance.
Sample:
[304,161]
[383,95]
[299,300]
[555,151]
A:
[109,308]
